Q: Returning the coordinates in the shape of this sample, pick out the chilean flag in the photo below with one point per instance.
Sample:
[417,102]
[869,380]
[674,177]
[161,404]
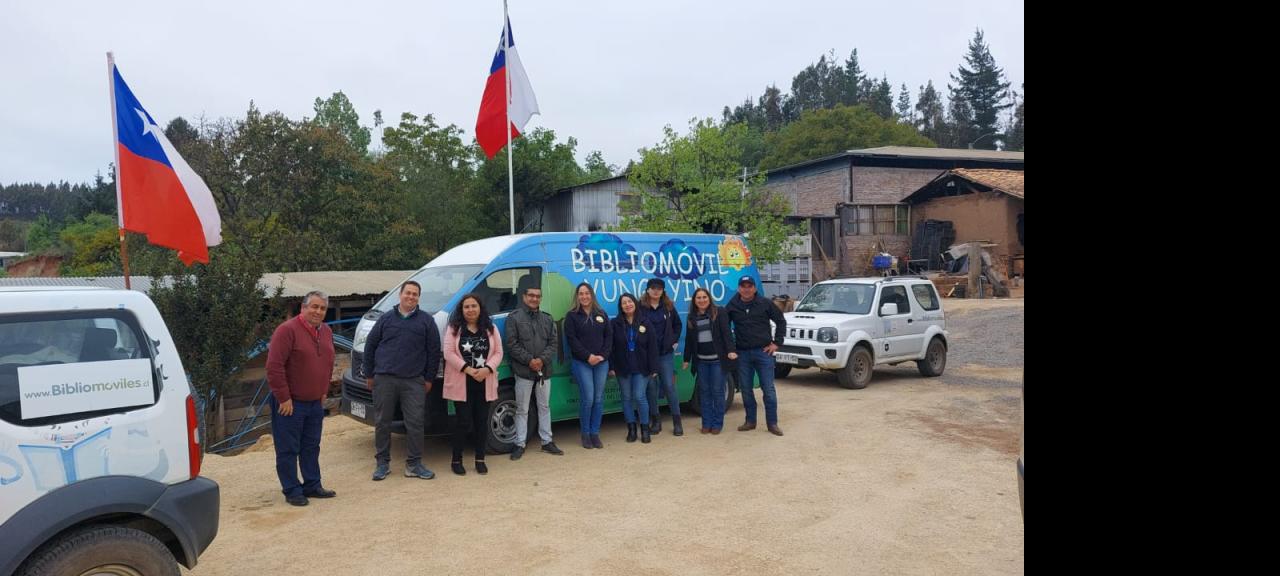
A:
[157,192]
[493,105]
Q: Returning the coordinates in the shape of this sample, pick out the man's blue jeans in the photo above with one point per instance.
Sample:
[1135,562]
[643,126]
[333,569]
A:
[297,440]
[757,361]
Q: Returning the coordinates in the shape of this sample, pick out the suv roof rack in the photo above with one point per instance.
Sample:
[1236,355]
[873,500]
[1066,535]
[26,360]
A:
[903,277]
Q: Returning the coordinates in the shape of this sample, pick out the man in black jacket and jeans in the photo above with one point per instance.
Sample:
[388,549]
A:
[750,316]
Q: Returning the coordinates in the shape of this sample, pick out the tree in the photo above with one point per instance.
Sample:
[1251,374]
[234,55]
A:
[295,193]
[42,236]
[13,235]
[1014,140]
[961,132]
[92,247]
[692,183]
[181,134]
[597,169]
[820,85]
[542,166]
[100,198]
[771,107]
[931,115]
[215,314]
[852,81]
[904,112]
[824,132]
[881,99]
[985,92]
[433,170]
[338,114]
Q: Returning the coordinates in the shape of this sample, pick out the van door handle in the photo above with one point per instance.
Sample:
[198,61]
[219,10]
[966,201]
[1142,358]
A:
[909,320]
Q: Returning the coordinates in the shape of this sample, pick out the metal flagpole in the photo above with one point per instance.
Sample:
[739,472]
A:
[115,133]
[511,178]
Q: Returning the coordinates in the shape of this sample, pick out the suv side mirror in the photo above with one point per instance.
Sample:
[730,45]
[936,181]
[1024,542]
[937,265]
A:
[890,309]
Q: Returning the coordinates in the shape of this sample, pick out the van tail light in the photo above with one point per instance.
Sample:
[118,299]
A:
[194,452]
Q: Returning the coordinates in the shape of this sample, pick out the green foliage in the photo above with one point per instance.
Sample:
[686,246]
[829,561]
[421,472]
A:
[825,132]
[215,314]
[541,167]
[92,246]
[983,93]
[693,183]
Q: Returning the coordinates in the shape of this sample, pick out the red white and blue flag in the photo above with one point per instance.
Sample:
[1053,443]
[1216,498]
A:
[494,105]
[158,194]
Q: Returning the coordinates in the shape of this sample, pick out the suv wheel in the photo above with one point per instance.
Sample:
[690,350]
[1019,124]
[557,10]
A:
[856,374]
[103,550]
[781,370]
[935,359]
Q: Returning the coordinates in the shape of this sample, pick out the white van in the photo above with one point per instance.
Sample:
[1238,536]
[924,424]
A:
[99,443]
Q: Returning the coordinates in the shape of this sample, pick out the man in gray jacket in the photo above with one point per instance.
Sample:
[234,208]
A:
[531,346]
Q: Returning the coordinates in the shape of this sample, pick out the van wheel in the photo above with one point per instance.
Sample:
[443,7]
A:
[730,385]
[857,373]
[102,550]
[695,402]
[501,436]
[781,370]
[935,358]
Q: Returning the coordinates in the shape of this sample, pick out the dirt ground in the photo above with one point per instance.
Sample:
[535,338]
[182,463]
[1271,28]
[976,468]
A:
[912,475]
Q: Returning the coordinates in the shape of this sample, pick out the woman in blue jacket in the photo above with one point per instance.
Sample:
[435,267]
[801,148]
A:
[634,361]
[661,313]
[587,329]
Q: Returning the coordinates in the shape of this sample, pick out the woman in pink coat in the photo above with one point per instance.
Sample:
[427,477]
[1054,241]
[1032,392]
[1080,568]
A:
[472,353]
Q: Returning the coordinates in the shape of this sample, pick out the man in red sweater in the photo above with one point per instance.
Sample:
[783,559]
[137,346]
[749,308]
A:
[299,364]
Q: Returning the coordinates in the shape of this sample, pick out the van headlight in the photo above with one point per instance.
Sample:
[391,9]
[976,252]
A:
[828,335]
[362,334]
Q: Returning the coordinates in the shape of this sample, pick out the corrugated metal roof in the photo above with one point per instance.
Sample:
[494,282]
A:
[296,284]
[340,283]
[914,152]
[947,153]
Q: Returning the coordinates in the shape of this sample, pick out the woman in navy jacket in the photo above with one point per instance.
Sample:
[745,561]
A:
[635,362]
[587,329]
[661,313]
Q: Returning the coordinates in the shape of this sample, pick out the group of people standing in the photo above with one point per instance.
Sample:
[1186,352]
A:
[638,347]
[404,349]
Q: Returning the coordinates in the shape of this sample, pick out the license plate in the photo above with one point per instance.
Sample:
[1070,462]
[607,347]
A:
[786,358]
[357,409]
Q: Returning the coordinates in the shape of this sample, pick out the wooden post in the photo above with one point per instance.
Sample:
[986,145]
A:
[220,428]
[975,269]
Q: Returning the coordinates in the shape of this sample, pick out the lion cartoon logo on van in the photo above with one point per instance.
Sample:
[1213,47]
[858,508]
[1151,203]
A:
[734,253]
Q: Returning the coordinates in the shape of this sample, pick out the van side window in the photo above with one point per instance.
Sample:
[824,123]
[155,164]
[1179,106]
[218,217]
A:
[925,295]
[498,291]
[64,338]
[896,295]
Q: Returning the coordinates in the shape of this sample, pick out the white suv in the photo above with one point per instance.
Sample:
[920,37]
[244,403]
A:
[99,443]
[849,325]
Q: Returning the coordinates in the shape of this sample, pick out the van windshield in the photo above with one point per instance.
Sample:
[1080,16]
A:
[438,286]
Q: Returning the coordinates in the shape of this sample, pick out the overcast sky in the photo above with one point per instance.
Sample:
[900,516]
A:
[610,74]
